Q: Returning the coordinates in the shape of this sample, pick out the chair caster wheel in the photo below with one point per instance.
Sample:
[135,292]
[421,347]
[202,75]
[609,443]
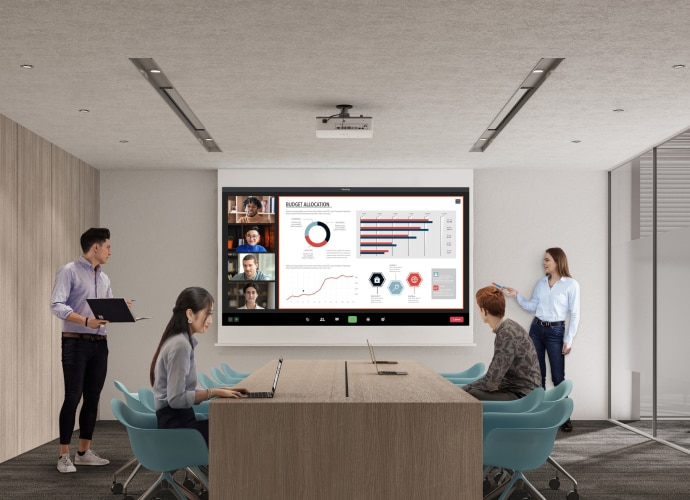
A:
[522,495]
[573,495]
[188,483]
[116,488]
[554,483]
[203,495]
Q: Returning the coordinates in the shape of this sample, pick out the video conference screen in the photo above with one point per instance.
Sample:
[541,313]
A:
[345,256]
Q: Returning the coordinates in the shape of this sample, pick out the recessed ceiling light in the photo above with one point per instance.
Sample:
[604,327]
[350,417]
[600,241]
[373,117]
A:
[618,110]
[155,71]
[84,110]
[27,66]
[538,71]
[678,66]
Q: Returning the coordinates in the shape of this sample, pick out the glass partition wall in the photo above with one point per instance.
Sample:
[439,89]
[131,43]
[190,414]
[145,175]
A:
[649,251]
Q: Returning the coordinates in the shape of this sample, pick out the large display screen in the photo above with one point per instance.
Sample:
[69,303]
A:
[345,257]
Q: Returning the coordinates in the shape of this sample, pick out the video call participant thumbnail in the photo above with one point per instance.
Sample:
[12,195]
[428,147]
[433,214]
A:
[250,264]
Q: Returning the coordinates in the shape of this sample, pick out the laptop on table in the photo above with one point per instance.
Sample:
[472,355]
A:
[376,363]
[272,392]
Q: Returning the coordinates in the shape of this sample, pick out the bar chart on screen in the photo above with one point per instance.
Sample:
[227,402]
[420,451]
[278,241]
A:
[405,234]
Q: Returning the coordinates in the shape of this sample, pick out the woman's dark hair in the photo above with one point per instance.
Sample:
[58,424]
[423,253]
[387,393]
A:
[194,298]
[93,235]
[558,256]
[250,285]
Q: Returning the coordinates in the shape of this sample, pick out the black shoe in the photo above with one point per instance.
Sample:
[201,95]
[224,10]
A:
[567,426]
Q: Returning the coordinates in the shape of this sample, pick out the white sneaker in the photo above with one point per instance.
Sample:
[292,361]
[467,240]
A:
[90,458]
[65,464]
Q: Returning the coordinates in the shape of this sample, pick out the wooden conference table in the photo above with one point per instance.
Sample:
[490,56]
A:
[415,436]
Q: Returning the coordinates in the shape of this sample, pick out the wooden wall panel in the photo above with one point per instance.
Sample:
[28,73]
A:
[66,229]
[35,358]
[9,444]
[48,198]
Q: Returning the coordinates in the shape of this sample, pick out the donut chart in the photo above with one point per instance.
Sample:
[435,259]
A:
[313,225]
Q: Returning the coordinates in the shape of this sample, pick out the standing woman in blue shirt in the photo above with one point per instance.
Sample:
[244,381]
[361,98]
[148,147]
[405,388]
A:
[555,296]
[173,369]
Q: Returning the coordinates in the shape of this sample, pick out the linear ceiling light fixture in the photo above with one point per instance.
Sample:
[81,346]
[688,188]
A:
[526,89]
[155,76]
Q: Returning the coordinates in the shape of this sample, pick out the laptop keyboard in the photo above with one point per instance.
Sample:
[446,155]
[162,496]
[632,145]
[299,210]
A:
[260,395]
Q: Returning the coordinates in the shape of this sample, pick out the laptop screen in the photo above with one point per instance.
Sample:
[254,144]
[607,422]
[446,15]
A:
[275,379]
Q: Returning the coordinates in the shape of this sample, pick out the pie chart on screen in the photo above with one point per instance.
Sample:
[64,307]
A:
[317,234]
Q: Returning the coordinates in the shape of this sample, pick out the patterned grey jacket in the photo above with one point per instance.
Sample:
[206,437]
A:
[515,366]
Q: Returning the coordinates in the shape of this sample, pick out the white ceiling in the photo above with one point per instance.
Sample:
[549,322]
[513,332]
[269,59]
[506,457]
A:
[433,74]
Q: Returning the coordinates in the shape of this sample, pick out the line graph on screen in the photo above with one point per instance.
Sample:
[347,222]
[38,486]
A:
[324,291]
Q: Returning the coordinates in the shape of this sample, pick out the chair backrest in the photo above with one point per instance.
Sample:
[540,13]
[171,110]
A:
[529,402]
[160,450]
[147,398]
[131,417]
[524,441]
[555,415]
[131,398]
[473,372]
[518,449]
[460,381]
[207,382]
[232,372]
[223,378]
[561,391]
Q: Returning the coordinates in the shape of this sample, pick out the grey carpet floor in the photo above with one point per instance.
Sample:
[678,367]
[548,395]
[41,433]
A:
[608,462]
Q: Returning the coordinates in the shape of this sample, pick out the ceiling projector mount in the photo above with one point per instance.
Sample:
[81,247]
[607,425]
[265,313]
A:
[343,126]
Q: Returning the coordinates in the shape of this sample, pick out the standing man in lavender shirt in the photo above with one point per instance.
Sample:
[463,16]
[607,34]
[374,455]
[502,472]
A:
[84,344]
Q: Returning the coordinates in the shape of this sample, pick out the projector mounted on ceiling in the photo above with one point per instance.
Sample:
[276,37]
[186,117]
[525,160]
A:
[343,126]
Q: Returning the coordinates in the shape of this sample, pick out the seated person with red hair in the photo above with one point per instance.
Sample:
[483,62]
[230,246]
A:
[514,370]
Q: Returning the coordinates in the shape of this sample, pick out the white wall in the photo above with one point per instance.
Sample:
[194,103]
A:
[164,239]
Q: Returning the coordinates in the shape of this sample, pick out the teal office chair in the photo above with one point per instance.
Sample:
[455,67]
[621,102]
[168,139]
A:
[530,402]
[549,396]
[473,372]
[223,377]
[163,450]
[232,372]
[522,442]
[133,401]
[557,393]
